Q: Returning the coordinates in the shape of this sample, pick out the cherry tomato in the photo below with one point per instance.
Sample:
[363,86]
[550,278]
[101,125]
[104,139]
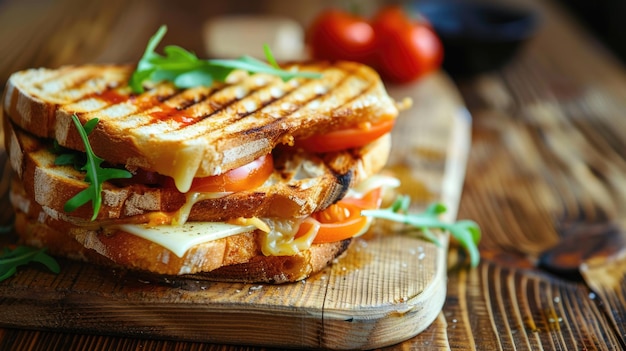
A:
[405,49]
[346,138]
[338,35]
[246,177]
[342,220]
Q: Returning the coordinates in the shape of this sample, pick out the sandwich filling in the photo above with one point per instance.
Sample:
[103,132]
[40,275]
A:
[179,230]
[281,236]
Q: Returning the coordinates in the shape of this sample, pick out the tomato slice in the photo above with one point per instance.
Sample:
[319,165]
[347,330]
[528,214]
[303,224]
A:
[346,138]
[246,177]
[342,220]
[338,222]
[371,200]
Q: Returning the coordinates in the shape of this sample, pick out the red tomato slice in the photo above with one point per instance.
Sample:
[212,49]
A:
[346,138]
[351,224]
[372,199]
[246,177]
[342,220]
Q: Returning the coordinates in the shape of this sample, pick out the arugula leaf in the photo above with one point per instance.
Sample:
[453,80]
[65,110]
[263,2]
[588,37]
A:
[186,70]
[96,175]
[466,232]
[270,56]
[10,259]
[67,157]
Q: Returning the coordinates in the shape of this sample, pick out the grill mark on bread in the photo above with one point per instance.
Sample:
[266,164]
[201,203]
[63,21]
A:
[179,114]
[111,96]
[220,116]
[226,136]
[283,97]
[218,108]
[57,76]
[276,127]
[73,85]
[121,102]
[219,113]
[294,106]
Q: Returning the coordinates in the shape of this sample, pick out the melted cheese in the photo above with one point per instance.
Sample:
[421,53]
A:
[182,164]
[281,241]
[278,238]
[182,214]
[180,238]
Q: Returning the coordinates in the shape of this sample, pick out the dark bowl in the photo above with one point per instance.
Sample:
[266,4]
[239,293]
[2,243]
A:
[478,36]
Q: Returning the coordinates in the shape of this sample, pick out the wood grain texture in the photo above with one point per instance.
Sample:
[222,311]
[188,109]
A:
[546,173]
[607,278]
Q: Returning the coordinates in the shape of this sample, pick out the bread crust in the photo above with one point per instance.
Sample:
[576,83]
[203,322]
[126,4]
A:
[300,185]
[236,258]
[223,126]
[280,269]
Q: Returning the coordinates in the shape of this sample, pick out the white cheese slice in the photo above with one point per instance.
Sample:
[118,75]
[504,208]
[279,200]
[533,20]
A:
[180,238]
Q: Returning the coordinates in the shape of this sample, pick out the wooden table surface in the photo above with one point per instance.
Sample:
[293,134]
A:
[546,176]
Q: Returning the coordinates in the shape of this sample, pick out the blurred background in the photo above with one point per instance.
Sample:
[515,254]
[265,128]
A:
[27,19]
[606,19]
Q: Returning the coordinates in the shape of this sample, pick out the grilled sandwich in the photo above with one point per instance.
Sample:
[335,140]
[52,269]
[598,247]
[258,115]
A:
[311,148]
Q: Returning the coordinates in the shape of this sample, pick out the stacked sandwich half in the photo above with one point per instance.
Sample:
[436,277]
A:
[255,179]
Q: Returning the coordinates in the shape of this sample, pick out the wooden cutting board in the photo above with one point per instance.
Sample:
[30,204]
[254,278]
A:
[387,288]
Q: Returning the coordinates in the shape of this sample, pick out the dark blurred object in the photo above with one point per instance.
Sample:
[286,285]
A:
[605,19]
[478,36]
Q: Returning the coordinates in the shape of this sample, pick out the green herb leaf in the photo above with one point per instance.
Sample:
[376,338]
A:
[466,232]
[96,175]
[186,70]
[270,57]
[10,259]
[67,157]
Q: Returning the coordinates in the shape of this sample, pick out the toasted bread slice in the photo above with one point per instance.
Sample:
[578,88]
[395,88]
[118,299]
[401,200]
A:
[195,132]
[210,260]
[301,184]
